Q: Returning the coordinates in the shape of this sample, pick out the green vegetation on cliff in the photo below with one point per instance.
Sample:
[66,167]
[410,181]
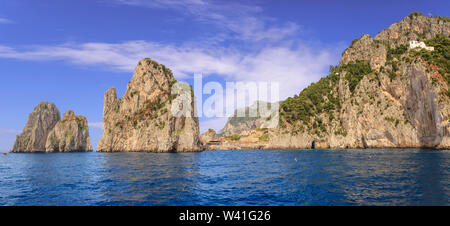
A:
[355,72]
[440,56]
[233,137]
[396,52]
[415,14]
[264,137]
[321,98]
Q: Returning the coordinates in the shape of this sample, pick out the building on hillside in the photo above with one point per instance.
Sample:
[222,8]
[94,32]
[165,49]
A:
[416,44]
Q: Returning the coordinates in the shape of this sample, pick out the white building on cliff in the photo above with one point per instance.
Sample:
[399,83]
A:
[415,44]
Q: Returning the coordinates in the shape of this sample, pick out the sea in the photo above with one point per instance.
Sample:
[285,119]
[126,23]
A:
[387,177]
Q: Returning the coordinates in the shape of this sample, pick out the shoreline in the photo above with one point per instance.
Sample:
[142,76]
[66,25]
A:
[247,149]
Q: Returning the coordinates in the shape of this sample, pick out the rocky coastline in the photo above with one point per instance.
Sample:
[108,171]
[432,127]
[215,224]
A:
[385,93]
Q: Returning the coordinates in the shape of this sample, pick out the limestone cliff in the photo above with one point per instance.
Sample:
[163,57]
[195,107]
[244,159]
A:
[382,94]
[40,122]
[414,27]
[71,134]
[156,114]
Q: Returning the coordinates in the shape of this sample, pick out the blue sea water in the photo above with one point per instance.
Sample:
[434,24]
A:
[238,177]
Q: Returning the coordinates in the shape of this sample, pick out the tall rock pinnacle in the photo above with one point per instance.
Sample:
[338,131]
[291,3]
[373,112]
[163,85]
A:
[40,122]
[144,120]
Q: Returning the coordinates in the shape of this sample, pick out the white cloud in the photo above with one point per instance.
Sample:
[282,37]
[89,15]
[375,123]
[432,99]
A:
[118,56]
[268,49]
[289,62]
[5,21]
[238,20]
[124,56]
[293,66]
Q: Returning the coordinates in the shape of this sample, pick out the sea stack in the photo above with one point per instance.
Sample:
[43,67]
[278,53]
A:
[40,122]
[156,114]
[71,134]
[45,132]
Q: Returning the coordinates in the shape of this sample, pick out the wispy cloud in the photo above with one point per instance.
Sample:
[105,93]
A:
[5,21]
[238,20]
[294,66]
[124,56]
[290,62]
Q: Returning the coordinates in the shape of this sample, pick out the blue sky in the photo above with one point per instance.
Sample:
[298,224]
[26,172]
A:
[71,52]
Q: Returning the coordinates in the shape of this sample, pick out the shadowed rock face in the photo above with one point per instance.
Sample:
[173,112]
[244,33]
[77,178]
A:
[71,134]
[143,119]
[40,122]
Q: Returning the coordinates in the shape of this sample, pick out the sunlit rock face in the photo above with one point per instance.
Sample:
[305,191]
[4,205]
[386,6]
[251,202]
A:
[71,134]
[40,122]
[382,94]
[46,132]
[156,114]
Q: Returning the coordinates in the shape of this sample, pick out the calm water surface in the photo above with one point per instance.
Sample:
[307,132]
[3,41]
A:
[251,177]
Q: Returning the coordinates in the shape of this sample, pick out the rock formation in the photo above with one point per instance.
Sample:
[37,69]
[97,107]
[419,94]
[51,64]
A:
[382,94]
[45,132]
[40,122]
[71,134]
[156,114]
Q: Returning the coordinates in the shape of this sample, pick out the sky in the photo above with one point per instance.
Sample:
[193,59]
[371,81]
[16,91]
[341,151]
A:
[70,52]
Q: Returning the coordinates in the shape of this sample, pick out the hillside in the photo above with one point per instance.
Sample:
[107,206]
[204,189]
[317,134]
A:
[237,124]
[383,93]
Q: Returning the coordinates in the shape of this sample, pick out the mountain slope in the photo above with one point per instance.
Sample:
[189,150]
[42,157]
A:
[382,94]
[237,124]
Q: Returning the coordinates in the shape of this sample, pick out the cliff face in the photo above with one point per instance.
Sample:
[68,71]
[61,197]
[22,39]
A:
[156,114]
[414,27]
[69,135]
[40,122]
[382,94]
